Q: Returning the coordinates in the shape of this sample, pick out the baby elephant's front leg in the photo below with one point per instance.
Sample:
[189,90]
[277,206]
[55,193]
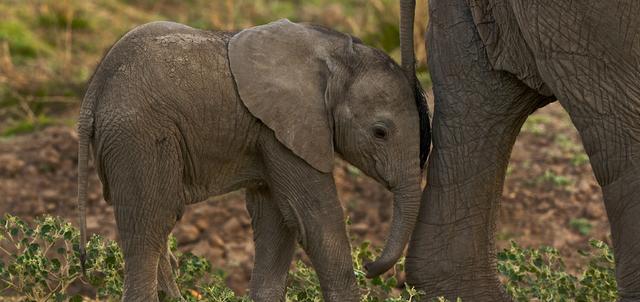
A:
[274,247]
[308,200]
[328,248]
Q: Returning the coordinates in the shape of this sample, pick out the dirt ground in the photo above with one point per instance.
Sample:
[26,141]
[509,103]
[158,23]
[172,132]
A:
[550,197]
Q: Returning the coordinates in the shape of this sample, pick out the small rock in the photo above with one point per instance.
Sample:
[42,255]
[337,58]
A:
[10,164]
[50,206]
[232,226]
[31,170]
[50,155]
[360,228]
[236,255]
[216,240]
[594,210]
[202,248]
[202,222]
[186,233]
[216,256]
[49,194]
[92,223]
[245,221]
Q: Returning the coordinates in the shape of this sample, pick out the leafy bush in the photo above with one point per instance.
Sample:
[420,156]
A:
[41,261]
[41,264]
[540,274]
[304,284]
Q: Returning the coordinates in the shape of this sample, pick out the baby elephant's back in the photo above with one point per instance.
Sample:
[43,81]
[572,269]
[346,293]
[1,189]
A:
[168,68]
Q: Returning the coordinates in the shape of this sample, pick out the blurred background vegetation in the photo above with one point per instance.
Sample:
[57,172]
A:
[49,48]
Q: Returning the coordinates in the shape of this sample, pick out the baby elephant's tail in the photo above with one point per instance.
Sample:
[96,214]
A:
[85,132]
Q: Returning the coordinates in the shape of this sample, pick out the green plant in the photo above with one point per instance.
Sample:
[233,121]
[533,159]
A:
[304,285]
[579,159]
[535,124]
[540,274]
[353,171]
[22,42]
[555,179]
[582,225]
[598,282]
[40,263]
[27,125]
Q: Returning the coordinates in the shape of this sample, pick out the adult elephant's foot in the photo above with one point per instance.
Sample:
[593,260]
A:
[469,285]
[451,270]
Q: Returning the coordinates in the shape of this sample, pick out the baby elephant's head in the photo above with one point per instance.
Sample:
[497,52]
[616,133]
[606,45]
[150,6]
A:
[321,92]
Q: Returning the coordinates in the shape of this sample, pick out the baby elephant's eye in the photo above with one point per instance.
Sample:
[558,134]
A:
[380,132]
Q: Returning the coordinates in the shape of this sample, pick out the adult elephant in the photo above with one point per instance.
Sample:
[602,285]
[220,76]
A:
[494,62]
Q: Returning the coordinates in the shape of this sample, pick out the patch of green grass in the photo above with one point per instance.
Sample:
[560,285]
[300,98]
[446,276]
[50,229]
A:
[22,41]
[510,169]
[535,124]
[555,179]
[353,171]
[28,126]
[581,225]
[566,143]
[579,159]
[58,19]
[503,236]
[425,78]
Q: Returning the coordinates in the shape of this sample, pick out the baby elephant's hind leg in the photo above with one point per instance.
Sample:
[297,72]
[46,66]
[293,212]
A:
[147,197]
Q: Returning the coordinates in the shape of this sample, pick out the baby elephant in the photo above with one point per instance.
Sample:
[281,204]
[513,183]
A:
[175,115]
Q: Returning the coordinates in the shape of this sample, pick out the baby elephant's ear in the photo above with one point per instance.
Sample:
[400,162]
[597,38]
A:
[281,73]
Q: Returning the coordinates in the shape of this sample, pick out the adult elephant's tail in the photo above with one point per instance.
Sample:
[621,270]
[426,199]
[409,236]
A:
[407,16]
[408,57]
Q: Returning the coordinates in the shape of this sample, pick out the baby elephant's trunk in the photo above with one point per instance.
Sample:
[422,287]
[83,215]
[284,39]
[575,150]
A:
[405,213]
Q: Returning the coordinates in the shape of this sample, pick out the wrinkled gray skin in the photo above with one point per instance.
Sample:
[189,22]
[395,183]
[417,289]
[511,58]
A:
[168,128]
[494,62]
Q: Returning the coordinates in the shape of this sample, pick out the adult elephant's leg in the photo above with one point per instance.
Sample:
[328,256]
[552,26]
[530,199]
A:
[604,105]
[622,201]
[147,199]
[478,114]
[274,245]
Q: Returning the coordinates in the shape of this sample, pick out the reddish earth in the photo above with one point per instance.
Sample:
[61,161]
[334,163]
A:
[549,185]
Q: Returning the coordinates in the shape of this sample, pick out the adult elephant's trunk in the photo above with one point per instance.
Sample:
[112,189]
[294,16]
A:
[407,14]
[405,213]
